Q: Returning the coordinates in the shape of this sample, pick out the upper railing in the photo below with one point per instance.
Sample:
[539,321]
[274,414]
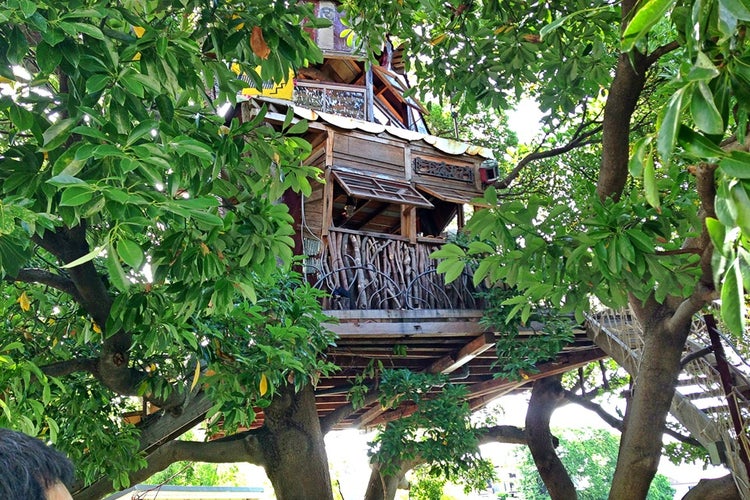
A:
[375,271]
[337,99]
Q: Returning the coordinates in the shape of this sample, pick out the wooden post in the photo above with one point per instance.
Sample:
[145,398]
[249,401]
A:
[409,223]
[327,219]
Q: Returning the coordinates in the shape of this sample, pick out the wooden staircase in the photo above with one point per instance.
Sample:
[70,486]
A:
[711,400]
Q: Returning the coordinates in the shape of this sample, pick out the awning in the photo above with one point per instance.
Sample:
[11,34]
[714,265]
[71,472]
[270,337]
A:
[371,186]
[449,195]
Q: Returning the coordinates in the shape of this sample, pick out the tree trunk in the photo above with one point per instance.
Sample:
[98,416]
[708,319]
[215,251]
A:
[382,487]
[293,449]
[641,442]
[721,488]
[546,394]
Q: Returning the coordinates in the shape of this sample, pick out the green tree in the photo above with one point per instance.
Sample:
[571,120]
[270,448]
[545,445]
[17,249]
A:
[436,435]
[590,455]
[142,251]
[656,91]
[196,474]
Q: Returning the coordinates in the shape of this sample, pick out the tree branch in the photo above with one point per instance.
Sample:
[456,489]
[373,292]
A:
[62,368]
[44,277]
[114,371]
[661,51]
[244,449]
[329,421]
[579,139]
[618,424]
[506,434]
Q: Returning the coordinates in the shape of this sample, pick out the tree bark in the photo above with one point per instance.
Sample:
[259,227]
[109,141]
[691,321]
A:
[382,487]
[641,442]
[721,488]
[289,447]
[293,450]
[626,88]
[546,394]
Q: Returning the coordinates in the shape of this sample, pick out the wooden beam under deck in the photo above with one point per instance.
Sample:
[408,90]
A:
[448,364]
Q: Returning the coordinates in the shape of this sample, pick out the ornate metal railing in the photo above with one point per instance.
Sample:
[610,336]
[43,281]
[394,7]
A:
[338,99]
[371,271]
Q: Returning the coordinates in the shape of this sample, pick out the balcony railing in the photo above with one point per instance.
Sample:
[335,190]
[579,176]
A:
[337,99]
[373,271]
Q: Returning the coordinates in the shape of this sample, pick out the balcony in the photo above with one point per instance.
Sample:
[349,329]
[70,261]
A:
[336,99]
[369,271]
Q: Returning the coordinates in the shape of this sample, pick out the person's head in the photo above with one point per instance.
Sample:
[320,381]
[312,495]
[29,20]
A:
[31,470]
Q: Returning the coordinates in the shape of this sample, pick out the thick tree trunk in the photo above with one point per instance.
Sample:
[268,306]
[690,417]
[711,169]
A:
[293,449]
[641,442]
[546,394]
[289,446]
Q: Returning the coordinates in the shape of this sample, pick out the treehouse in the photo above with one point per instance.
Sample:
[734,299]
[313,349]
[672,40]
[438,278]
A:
[393,194]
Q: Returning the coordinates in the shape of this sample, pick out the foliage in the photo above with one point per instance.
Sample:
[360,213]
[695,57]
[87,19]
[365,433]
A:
[426,487]
[141,243]
[438,433]
[590,457]
[196,474]
[562,53]
[517,355]
[487,127]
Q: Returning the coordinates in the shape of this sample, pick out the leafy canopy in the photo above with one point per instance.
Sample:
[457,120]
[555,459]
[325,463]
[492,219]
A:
[142,248]
[695,58]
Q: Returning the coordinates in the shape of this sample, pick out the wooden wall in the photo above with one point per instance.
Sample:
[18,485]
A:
[369,152]
[391,156]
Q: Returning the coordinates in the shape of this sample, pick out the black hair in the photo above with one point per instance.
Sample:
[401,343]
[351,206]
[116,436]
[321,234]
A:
[28,467]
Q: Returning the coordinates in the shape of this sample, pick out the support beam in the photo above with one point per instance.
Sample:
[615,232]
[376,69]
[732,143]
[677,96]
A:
[451,363]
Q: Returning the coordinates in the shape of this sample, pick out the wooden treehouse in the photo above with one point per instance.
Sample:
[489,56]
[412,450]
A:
[393,194]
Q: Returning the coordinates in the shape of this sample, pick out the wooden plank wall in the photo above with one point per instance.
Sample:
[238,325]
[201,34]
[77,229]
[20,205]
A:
[368,152]
[314,203]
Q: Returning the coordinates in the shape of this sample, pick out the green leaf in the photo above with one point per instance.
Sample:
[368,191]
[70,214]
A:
[703,69]
[448,250]
[669,125]
[131,253]
[97,82]
[640,150]
[86,258]
[247,290]
[185,145]
[451,268]
[77,195]
[62,180]
[57,133]
[733,299]
[717,233]
[737,164]
[117,275]
[739,9]
[742,202]
[698,145]
[22,118]
[705,113]
[73,29]
[625,248]
[298,128]
[649,182]
[647,15]
[726,211]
